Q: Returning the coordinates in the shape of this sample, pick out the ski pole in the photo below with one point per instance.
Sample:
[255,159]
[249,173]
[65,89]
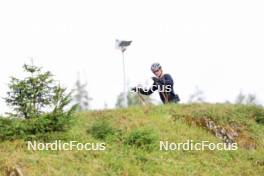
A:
[142,100]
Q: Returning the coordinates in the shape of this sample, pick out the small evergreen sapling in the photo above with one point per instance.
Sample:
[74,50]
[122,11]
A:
[35,94]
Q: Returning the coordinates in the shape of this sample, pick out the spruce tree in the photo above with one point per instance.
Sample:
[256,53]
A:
[35,94]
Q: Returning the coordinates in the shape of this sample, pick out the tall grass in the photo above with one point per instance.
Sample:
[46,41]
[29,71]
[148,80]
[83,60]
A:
[129,132]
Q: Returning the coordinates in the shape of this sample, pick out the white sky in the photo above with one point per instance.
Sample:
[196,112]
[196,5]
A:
[215,45]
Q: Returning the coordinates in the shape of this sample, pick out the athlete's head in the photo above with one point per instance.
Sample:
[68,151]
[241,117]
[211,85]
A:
[156,69]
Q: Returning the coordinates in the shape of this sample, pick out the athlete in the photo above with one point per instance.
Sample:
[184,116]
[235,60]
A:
[163,83]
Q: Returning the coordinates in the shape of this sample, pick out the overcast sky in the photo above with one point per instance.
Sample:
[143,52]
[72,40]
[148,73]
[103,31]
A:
[215,45]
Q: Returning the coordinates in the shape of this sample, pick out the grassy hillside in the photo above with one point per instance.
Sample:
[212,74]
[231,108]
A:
[133,136]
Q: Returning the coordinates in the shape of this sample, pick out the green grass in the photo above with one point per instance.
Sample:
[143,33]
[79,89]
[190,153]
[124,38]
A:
[128,133]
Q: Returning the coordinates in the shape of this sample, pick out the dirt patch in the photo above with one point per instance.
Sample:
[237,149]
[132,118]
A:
[230,133]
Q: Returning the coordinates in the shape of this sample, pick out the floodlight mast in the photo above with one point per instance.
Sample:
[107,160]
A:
[122,45]
[124,78]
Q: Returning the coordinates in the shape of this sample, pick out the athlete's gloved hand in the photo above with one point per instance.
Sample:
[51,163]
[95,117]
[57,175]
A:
[156,80]
[134,89]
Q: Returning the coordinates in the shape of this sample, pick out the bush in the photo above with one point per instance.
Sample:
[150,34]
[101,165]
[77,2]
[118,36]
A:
[260,120]
[141,138]
[11,128]
[15,128]
[48,137]
[30,98]
[259,115]
[49,123]
[101,129]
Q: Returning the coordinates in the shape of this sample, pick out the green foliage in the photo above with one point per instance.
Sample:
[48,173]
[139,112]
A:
[11,128]
[101,129]
[259,115]
[30,98]
[121,158]
[60,100]
[48,137]
[30,95]
[49,122]
[141,138]
[260,120]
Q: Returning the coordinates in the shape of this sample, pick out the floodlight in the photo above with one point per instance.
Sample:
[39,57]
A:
[122,45]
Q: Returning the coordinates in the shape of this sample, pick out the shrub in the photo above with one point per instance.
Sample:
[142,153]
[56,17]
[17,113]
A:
[20,128]
[29,98]
[48,137]
[260,120]
[49,123]
[259,115]
[101,129]
[141,138]
[11,128]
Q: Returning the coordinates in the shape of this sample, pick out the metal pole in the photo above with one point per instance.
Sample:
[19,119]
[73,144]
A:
[124,73]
